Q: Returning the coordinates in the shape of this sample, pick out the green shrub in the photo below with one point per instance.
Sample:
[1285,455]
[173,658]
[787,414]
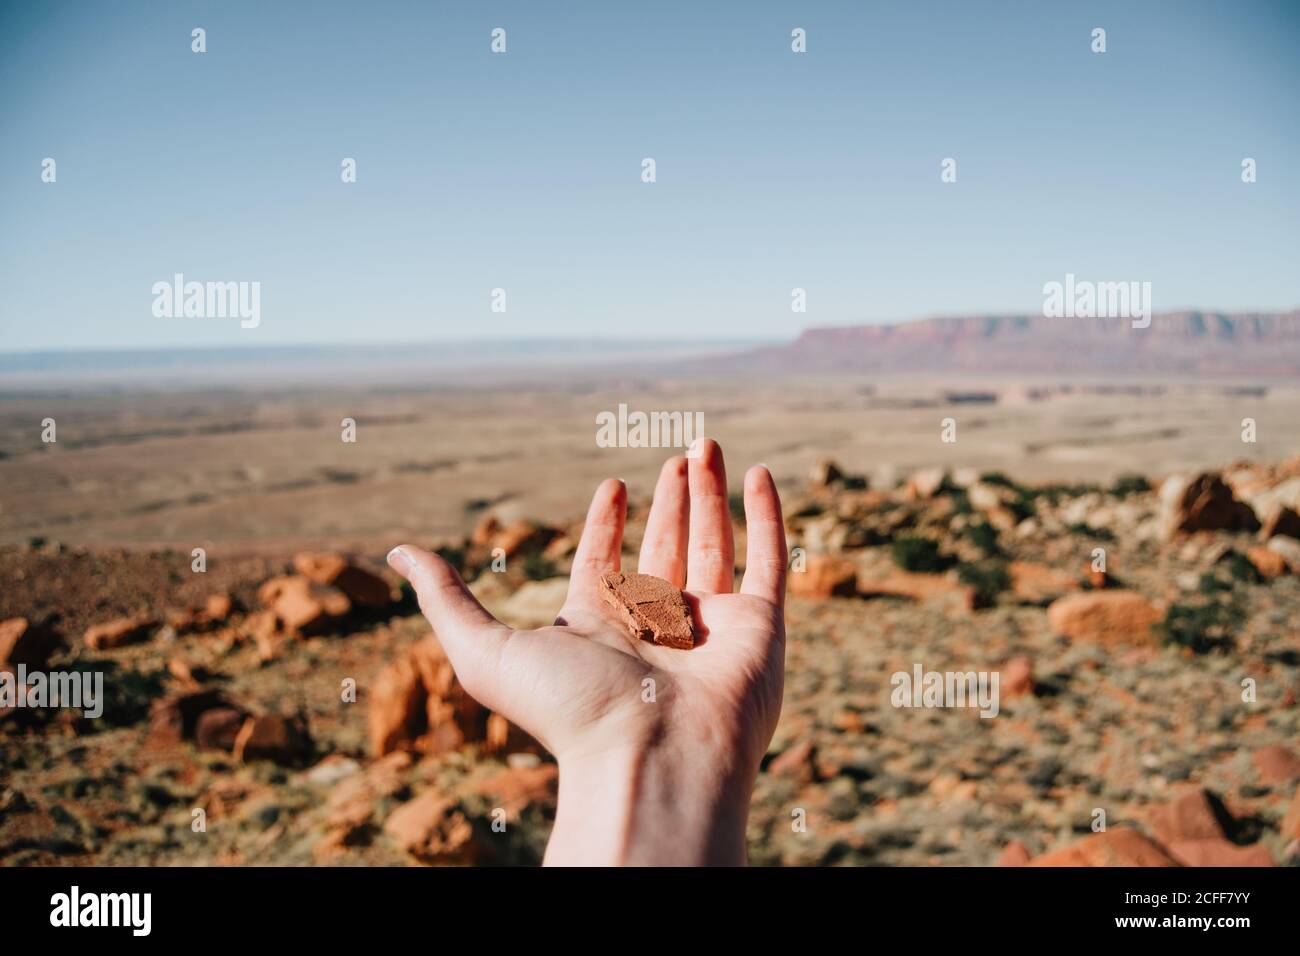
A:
[985,537]
[913,553]
[988,579]
[1126,485]
[1201,627]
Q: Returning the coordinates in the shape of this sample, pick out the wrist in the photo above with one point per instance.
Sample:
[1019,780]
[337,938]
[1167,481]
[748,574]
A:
[653,805]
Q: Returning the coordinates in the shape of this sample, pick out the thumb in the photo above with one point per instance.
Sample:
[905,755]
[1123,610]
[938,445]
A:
[472,638]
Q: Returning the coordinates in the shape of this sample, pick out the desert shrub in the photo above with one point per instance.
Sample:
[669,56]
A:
[913,553]
[1202,628]
[1086,531]
[999,479]
[985,537]
[1126,485]
[1241,569]
[1211,584]
[988,579]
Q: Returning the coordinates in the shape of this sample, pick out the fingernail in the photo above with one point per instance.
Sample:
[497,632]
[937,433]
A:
[399,562]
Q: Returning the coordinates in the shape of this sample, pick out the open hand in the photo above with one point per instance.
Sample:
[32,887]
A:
[658,747]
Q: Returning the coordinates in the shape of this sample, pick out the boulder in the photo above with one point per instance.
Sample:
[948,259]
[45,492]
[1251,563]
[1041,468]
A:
[301,605]
[119,632]
[1289,549]
[433,829]
[176,717]
[1276,764]
[1033,583]
[363,588]
[1281,521]
[824,577]
[1191,816]
[925,483]
[1203,503]
[276,737]
[1108,617]
[217,728]
[1268,563]
[25,642]
[1216,851]
[515,788]
[1121,846]
[1014,854]
[1017,678]
[825,474]
[417,703]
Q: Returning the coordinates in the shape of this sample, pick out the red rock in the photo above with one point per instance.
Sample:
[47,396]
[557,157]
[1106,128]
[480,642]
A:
[1291,822]
[1098,580]
[1015,854]
[487,529]
[914,586]
[175,717]
[1267,562]
[1281,521]
[1276,764]
[1107,617]
[301,605]
[433,830]
[516,787]
[795,761]
[1017,678]
[1217,851]
[824,577]
[1121,846]
[217,728]
[522,537]
[1205,503]
[1038,584]
[1190,816]
[362,587]
[119,632]
[25,642]
[418,703]
[825,474]
[275,737]
[651,608]
[218,607]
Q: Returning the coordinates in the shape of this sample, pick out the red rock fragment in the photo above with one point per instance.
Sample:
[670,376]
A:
[335,570]
[1015,854]
[25,642]
[1119,847]
[1217,851]
[1276,764]
[1190,816]
[824,577]
[119,632]
[652,609]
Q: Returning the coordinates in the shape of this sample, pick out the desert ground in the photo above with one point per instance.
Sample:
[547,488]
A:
[1122,690]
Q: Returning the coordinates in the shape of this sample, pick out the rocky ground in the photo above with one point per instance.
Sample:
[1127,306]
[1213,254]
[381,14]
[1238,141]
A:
[1146,637]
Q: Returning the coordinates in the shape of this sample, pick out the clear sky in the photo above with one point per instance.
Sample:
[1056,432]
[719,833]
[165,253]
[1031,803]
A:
[523,170]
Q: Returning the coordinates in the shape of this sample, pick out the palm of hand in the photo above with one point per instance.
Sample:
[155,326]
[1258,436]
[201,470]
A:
[585,685]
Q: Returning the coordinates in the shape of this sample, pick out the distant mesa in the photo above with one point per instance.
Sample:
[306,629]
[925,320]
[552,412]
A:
[1177,343]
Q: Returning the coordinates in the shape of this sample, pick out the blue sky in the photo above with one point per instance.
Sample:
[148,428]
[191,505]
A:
[522,170]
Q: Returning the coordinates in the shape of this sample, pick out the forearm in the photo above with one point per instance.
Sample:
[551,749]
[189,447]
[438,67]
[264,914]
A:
[649,807]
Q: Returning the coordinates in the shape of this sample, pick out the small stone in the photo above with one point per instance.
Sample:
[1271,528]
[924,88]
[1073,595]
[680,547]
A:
[651,608]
